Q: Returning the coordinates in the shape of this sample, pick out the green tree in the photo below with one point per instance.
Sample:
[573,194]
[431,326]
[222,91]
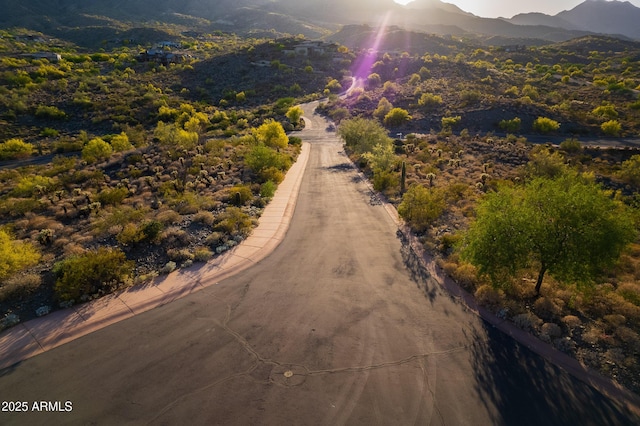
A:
[96,150]
[397,117]
[611,128]
[568,227]
[121,142]
[421,206]
[545,125]
[294,114]
[15,255]
[15,148]
[272,134]
[362,135]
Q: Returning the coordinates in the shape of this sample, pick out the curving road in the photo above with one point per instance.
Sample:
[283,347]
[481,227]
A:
[330,329]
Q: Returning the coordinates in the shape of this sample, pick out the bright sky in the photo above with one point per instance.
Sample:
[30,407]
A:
[509,8]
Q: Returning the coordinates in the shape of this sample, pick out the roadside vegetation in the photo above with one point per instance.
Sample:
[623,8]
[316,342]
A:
[115,169]
[494,168]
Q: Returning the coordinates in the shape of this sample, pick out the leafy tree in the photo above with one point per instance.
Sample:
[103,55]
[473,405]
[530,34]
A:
[294,114]
[611,128]
[15,148]
[96,150]
[421,206]
[566,226]
[363,135]
[272,134]
[397,117]
[15,255]
[545,125]
[121,142]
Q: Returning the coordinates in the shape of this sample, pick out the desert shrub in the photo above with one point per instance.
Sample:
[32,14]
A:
[272,134]
[202,254]
[14,149]
[96,150]
[94,272]
[571,321]
[384,179]
[51,112]
[465,274]
[175,136]
[397,117]
[571,145]
[550,330]
[168,216]
[630,292]
[511,126]
[374,80]
[112,196]
[449,122]
[175,237]
[546,308]
[234,221]
[262,158]
[384,106]
[545,125]
[121,142]
[19,286]
[488,296]
[294,113]
[544,163]
[606,111]
[131,234]
[205,217]
[268,189]
[527,321]
[169,267]
[611,128]
[429,101]
[215,239]
[240,195]
[33,185]
[180,255]
[151,230]
[420,206]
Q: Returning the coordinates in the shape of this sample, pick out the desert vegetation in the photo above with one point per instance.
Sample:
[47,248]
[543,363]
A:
[116,169]
[535,137]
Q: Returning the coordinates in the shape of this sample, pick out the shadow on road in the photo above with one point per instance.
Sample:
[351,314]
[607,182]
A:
[527,390]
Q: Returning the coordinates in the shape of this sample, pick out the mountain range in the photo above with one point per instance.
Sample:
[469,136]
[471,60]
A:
[317,18]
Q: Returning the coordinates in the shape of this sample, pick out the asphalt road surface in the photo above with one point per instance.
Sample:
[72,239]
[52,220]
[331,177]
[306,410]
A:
[329,329]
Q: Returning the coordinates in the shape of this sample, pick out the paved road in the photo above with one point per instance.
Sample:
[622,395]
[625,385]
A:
[328,330]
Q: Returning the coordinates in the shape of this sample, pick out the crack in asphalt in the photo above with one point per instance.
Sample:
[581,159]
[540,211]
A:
[306,372]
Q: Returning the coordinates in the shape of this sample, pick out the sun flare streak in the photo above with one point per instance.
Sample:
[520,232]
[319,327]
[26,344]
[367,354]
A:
[363,67]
